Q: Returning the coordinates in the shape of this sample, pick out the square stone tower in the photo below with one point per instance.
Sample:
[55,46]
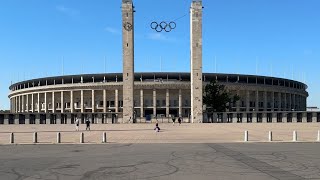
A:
[128,59]
[196,61]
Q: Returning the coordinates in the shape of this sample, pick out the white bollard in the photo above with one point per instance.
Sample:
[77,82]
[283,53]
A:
[58,137]
[11,138]
[35,137]
[270,136]
[246,136]
[82,137]
[318,139]
[294,136]
[104,137]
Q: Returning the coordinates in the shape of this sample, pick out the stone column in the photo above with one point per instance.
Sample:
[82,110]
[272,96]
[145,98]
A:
[93,101]
[257,101]
[116,102]
[32,103]
[39,110]
[238,102]
[82,102]
[62,102]
[104,100]
[16,108]
[294,102]
[45,102]
[247,100]
[141,103]
[22,103]
[285,102]
[290,102]
[128,58]
[53,103]
[196,61]
[279,101]
[71,102]
[19,99]
[272,101]
[154,102]
[167,103]
[27,103]
[265,99]
[180,102]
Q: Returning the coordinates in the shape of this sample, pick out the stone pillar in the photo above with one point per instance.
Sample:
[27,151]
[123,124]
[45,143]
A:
[279,101]
[238,102]
[16,104]
[81,101]
[167,103]
[39,103]
[141,103]
[19,110]
[290,102]
[272,101]
[62,102]
[294,102]
[247,100]
[196,61]
[180,102]
[27,104]
[104,100]
[45,102]
[71,102]
[32,103]
[93,101]
[128,58]
[265,99]
[257,101]
[154,102]
[285,102]
[116,102]
[23,104]
[53,103]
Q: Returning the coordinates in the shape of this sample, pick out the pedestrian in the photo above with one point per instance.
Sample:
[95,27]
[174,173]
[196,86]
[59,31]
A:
[179,121]
[157,128]
[130,120]
[77,124]
[88,124]
[173,119]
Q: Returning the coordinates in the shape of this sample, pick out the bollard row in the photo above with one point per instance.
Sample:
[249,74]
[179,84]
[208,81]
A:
[294,136]
[35,138]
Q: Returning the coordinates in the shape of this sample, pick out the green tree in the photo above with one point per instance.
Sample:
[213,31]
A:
[217,99]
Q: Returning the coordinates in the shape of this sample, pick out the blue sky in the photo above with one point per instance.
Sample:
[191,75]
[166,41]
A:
[267,37]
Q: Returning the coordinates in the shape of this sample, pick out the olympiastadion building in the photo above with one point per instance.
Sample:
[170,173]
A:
[141,97]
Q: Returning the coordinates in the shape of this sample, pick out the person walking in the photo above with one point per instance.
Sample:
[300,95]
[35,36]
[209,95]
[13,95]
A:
[173,119]
[179,120]
[77,124]
[157,128]
[88,124]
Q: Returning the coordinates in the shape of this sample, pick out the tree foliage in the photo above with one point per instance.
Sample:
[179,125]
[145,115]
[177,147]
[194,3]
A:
[216,97]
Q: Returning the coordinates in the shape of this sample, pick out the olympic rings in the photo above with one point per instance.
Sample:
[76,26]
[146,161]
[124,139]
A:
[163,26]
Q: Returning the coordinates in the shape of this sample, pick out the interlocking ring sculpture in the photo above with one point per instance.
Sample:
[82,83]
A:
[127,26]
[163,26]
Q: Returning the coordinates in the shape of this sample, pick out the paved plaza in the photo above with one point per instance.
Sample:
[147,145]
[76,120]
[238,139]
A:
[144,133]
[241,161]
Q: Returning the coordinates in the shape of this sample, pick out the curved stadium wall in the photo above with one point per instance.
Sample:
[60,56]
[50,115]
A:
[155,94]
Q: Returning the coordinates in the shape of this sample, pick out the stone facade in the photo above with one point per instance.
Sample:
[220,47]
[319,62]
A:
[156,94]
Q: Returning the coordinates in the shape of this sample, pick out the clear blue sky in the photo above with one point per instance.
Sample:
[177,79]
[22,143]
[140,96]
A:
[280,38]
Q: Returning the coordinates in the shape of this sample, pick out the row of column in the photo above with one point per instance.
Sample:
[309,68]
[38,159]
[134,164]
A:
[18,103]
[284,101]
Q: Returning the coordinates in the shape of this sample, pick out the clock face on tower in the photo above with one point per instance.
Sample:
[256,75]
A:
[127,26]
